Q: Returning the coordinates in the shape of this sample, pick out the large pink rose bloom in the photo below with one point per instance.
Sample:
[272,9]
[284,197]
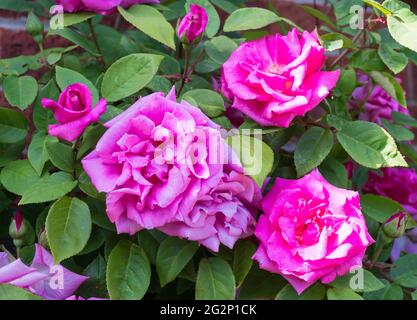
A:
[310,231]
[165,165]
[375,102]
[276,78]
[99,6]
[224,215]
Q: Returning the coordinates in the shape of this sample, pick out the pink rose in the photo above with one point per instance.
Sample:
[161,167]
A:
[224,215]
[73,112]
[311,230]
[42,278]
[375,101]
[274,79]
[399,184]
[165,165]
[99,6]
[193,25]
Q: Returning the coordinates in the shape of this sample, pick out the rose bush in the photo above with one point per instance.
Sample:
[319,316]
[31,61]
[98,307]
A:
[210,150]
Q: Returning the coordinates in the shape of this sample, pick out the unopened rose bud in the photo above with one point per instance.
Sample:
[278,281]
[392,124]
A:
[20,230]
[34,27]
[395,226]
[191,28]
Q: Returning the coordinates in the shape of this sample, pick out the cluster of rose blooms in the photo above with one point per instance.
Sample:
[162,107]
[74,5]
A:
[308,231]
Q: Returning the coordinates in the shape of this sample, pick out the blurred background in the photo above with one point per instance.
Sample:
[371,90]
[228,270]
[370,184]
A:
[14,41]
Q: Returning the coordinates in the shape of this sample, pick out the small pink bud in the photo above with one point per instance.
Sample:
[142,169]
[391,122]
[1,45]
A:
[191,28]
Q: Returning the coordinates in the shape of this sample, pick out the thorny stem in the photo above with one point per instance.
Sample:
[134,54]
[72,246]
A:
[187,55]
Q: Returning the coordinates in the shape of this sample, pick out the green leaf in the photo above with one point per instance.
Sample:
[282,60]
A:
[68,227]
[402,26]
[48,188]
[315,292]
[75,37]
[128,272]
[314,146]
[242,260]
[20,91]
[367,60]
[61,155]
[389,292]
[75,18]
[18,176]
[151,22]
[129,74]
[66,77]
[173,255]
[390,85]
[261,284]
[215,280]
[320,15]
[342,294]
[213,24]
[379,208]
[414,295]
[210,102]
[88,188]
[10,152]
[395,61]
[398,132]
[225,5]
[404,271]
[149,244]
[334,172]
[13,126]
[370,145]
[404,119]
[220,48]
[43,117]
[255,155]
[9,292]
[249,19]
[359,280]
[346,83]
[37,153]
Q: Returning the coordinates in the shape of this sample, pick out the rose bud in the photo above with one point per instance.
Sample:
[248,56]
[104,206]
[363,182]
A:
[191,28]
[73,112]
[395,226]
[20,230]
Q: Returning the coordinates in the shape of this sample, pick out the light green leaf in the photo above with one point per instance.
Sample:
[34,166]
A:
[313,147]
[404,271]
[215,280]
[390,85]
[151,22]
[255,155]
[370,145]
[379,208]
[75,18]
[68,227]
[315,292]
[37,153]
[173,255]
[242,259]
[404,119]
[20,91]
[402,26]
[61,155]
[249,19]
[129,74]
[354,281]
[13,126]
[394,60]
[9,292]
[75,37]
[342,294]
[210,102]
[48,188]
[220,48]
[18,176]
[128,272]
[398,132]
